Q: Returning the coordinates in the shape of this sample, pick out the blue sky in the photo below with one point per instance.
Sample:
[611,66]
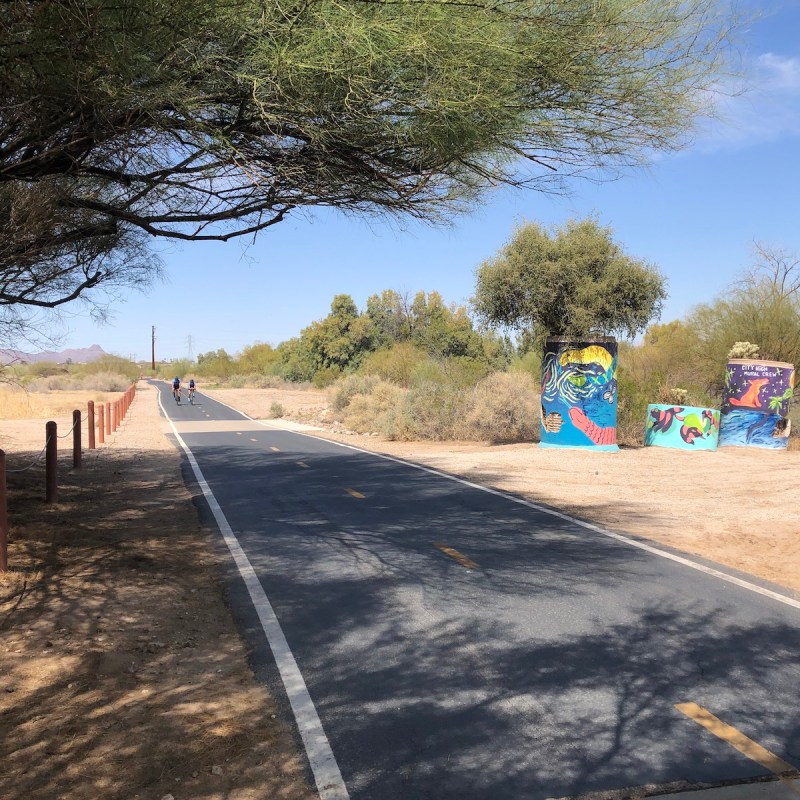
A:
[693,214]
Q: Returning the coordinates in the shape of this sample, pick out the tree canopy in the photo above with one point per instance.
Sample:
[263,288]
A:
[573,280]
[211,119]
[762,307]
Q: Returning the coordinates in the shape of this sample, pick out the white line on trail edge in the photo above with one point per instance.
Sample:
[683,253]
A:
[687,562]
[318,749]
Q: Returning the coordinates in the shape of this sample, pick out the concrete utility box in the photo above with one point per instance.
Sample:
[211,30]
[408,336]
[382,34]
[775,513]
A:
[579,393]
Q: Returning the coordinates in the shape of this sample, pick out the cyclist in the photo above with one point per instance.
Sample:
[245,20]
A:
[176,389]
[192,387]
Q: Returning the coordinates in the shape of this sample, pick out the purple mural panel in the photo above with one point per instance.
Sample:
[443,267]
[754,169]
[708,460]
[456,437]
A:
[763,386]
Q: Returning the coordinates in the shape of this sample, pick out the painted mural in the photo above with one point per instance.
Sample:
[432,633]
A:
[579,394]
[681,427]
[764,386]
[755,404]
[745,428]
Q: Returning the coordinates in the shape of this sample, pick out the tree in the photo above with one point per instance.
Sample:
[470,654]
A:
[340,342]
[762,307]
[211,119]
[573,280]
[259,358]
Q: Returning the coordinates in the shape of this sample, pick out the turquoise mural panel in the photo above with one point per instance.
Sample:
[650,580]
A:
[745,428]
[579,394]
[681,427]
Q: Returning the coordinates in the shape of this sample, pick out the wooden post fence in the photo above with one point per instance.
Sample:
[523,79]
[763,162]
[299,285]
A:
[90,424]
[3,514]
[76,439]
[51,463]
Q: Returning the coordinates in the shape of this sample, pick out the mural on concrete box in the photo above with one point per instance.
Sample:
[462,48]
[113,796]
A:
[764,386]
[755,404]
[682,427]
[579,394]
[744,428]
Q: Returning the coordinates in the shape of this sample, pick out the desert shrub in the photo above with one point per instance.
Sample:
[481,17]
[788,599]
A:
[744,350]
[110,365]
[348,387]
[235,381]
[106,382]
[436,410]
[272,382]
[396,364]
[276,411]
[503,407]
[376,411]
[326,377]
[530,364]
[673,396]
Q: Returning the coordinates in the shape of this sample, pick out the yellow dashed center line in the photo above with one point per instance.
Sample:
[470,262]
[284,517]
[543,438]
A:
[465,562]
[238,433]
[735,738]
[302,464]
[354,493]
[275,449]
[253,440]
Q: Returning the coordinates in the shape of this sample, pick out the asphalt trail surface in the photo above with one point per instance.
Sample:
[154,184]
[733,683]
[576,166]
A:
[456,644]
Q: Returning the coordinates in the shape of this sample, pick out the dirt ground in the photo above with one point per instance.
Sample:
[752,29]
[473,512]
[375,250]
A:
[113,683]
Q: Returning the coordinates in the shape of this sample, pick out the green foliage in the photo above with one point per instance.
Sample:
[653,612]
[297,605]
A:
[213,364]
[182,367]
[211,119]
[109,364]
[763,306]
[259,359]
[341,340]
[570,281]
[326,377]
[396,364]
[349,387]
[296,361]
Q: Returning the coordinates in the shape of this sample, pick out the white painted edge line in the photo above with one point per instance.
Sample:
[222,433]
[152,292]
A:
[327,776]
[687,562]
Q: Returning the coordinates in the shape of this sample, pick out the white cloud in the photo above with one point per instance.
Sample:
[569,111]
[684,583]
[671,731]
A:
[763,109]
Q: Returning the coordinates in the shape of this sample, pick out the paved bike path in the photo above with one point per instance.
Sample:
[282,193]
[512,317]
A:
[458,644]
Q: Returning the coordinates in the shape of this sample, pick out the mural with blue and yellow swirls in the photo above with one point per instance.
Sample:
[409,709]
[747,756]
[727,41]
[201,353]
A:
[579,394]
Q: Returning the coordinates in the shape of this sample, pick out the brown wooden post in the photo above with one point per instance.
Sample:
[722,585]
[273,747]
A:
[101,424]
[51,463]
[108,419]
[76,439]
[3,514]
[90,424]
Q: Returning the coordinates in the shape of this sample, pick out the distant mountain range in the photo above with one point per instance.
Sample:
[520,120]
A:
[79,355]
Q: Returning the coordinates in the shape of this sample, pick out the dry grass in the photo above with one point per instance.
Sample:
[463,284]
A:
[18,403]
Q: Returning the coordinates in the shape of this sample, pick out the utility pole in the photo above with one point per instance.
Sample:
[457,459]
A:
[189,343]
[153,351]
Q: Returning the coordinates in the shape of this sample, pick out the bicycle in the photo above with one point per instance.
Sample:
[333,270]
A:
[190,392]
[176,393]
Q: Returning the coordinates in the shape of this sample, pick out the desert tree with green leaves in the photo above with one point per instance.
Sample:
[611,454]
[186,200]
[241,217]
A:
[762,306]
[214,119]
[570,280]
